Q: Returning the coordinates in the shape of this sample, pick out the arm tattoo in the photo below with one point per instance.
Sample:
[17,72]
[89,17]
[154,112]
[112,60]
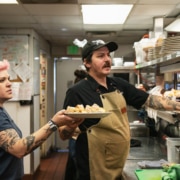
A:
[66,133]
[8,138]
[29,141]
[162,103]
[154,102]
[32,144]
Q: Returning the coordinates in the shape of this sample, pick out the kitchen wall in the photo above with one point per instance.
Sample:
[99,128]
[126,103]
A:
[31,112]
[127,51]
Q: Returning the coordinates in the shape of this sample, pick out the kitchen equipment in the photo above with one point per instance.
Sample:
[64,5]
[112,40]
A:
[118,61]
[139,130]
[173,130]
[173,150]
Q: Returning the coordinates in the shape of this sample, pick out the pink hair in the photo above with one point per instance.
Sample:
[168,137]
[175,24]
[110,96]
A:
[4,65]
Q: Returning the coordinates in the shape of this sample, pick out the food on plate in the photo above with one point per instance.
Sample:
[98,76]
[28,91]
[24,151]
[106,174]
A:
[87,109]
[173,94]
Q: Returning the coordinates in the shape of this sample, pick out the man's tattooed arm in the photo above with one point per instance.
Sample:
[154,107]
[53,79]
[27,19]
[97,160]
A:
[162,103]
[66,132]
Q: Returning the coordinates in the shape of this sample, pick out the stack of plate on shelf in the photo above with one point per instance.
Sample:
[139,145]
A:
[157,51]
[150,54]
[129,64]
[170,45]
[154,53]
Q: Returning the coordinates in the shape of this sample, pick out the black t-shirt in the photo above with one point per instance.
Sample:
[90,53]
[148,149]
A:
[11,167]
[87,92]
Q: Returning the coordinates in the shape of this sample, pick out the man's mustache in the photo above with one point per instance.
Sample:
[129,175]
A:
[107,64]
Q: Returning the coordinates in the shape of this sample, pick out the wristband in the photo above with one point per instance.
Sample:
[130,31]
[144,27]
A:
[52,125]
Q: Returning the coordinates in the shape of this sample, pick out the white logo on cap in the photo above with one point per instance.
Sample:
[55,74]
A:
[97,42]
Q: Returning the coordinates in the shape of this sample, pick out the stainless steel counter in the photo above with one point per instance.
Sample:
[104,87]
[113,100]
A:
[151,149]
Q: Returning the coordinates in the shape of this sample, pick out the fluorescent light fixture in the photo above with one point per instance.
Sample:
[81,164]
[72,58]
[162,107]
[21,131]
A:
[63,29]
[36,58]
[174,26]
[8,2]
[105,14]
[65,58]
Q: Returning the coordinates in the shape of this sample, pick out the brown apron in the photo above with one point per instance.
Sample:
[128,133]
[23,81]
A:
[109,140]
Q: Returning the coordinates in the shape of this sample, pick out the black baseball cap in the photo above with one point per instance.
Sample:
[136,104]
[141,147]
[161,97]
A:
[94,45]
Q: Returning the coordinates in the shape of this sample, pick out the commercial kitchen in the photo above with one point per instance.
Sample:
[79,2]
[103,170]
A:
[38,37]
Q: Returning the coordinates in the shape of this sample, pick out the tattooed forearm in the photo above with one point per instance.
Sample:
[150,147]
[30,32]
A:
[154,102]
[31,142]
[34,146]
[162,103]
[11,142]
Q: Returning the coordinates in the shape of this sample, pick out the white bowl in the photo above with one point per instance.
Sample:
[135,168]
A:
[118,61]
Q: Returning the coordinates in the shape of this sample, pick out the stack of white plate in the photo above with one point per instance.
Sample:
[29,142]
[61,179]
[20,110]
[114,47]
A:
[154,53]
[157,51]
[127,64]
[150,54]
[170,45]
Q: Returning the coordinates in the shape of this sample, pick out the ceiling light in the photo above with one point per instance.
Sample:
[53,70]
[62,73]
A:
[174,26]
[8,2]
[105,14]
[63,29]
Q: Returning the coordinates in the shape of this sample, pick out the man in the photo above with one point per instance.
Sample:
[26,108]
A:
[103,145]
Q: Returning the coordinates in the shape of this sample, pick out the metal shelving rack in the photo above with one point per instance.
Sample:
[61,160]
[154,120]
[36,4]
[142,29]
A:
[167,63]
[163,62]
[122,69]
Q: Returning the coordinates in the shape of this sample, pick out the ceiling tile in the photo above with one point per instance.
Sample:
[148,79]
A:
[48,20]
[153,10]
[53,10]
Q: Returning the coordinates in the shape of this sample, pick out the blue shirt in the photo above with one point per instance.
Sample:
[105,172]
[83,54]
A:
[11,167]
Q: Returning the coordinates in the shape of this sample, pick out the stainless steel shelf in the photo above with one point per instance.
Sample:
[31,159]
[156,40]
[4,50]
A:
[122,69]
[163,61]
[170,68]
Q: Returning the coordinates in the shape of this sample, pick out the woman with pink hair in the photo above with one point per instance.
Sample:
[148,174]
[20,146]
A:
[12,146]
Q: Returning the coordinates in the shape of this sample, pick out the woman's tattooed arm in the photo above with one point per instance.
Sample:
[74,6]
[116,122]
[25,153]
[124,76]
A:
[12,143]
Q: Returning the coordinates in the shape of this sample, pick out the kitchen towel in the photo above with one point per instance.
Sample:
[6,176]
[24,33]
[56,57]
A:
[149,174]
[171,173]
[156,164]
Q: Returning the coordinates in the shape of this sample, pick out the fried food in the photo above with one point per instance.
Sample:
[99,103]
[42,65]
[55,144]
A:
[87,109]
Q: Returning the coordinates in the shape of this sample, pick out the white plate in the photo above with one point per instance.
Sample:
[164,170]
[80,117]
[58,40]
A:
[88,115]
